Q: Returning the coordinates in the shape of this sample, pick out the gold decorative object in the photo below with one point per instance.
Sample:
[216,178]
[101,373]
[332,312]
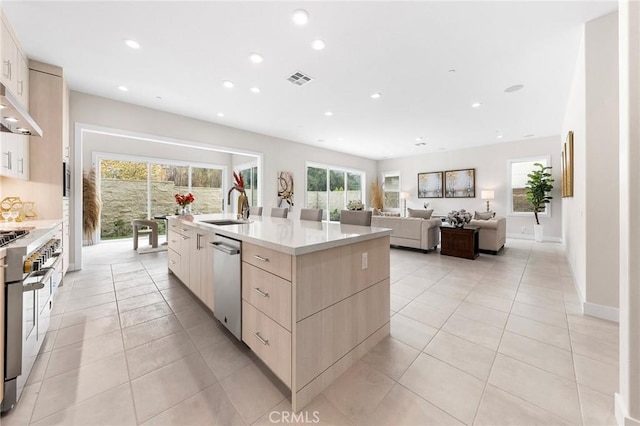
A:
[26,210]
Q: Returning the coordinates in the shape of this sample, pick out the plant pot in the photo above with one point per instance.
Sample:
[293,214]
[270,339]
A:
[537,232]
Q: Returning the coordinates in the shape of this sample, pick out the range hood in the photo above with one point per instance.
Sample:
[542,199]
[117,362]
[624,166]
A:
[13,117]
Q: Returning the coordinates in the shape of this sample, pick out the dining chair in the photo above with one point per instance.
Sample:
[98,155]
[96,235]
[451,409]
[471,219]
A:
[255,211]
[279,212]
[356,217]
[311,214]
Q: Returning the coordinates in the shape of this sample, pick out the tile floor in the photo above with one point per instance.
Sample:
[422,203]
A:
[495,341]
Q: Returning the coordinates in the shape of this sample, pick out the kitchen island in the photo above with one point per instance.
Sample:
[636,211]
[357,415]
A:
[315,295]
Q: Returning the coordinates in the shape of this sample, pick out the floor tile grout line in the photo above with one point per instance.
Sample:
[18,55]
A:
[495,356]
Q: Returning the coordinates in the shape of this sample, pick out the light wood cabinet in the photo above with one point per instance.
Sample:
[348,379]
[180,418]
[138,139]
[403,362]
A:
[273,261]
[9,55]
[269,293]
[15,155]
[191,259]
[22,80]
[267,339]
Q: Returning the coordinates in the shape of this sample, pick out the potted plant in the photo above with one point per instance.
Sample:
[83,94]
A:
[538,188]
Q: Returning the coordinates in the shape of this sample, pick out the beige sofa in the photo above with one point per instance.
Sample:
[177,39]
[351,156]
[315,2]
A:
[492,234]
[423,234]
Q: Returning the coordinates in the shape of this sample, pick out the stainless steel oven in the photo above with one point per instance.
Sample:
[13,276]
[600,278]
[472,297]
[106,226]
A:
[33,273]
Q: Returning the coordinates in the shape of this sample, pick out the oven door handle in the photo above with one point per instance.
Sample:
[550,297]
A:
[39,284]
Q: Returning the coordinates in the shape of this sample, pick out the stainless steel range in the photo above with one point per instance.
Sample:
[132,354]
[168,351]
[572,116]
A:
[33,273]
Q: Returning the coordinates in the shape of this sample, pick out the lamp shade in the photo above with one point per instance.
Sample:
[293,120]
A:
[404,195]
[487,195]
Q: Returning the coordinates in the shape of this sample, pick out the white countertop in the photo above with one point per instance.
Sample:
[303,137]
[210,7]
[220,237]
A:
[30,224]
[291,236]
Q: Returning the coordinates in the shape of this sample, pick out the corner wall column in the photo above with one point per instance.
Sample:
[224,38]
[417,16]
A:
[627,400]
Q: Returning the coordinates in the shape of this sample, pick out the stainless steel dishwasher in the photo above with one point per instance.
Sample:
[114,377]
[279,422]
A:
[227,292]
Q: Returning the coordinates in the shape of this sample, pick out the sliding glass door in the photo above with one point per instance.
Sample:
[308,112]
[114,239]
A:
[331,189]
[131,189]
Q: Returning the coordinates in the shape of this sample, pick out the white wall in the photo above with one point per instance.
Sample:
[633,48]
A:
[574,218]
[592,215]
[490,163]
[278,154]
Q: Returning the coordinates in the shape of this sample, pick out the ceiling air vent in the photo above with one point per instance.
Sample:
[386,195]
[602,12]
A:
[299,78]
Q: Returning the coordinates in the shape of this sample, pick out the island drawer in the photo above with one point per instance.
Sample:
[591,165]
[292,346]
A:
[268,340]
[268,293]
[175,262]
[269,260]
[179,227]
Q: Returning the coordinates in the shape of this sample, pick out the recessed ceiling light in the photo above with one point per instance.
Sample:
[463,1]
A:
[220,114]
[499,136]
[11,119]
[300,17]
[228,84]
[476,105]
[22,130]
[2,106]
[255,90]
[256,58]
[328,113]
[376,95]
[132,44]
[514,88]
[318,44]
[123,88]
[419,139]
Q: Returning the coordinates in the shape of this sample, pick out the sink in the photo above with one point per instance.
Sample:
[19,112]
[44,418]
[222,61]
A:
[225,222]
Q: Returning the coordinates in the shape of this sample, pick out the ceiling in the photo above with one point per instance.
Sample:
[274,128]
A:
[404,50]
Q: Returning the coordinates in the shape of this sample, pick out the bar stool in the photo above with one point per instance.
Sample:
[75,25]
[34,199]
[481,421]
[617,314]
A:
[279,212]
[356,217]
[311,214]
[255,211]
[145,227]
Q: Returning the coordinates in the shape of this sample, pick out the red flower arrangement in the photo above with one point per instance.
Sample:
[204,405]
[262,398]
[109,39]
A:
[184,200]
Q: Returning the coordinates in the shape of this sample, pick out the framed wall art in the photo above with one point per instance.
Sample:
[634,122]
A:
[567,170]
[430,185]
[460,183]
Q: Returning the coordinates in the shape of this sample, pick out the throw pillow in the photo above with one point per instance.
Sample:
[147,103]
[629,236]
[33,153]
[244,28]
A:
[424,214]
[483,215]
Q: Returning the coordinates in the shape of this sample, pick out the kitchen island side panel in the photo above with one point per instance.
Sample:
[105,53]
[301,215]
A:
[342,311]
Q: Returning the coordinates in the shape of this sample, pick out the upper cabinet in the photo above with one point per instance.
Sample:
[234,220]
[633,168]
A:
[15,66]
[9,59]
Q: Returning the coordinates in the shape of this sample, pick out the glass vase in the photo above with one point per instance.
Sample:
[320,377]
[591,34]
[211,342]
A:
[185,210]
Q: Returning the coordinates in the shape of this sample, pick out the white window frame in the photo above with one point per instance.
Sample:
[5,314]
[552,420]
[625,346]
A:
[251,164]
[329,168]
[384,176]
[510,212]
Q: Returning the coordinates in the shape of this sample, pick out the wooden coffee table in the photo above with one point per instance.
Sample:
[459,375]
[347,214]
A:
[459,242]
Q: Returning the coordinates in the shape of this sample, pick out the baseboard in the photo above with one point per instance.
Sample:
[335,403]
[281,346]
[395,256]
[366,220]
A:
[621,411]
[601,311]
[530,237]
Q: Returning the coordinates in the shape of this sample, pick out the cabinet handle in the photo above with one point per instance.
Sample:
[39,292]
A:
[173,262]
[260,292]
[198,247]
[21,163]
[174,241]
[262,340]
[185,230]
[20,88]
[7,66]
[260,258]
[185,238]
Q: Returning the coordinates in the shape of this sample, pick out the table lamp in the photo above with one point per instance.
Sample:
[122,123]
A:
[404,195]
[487,195]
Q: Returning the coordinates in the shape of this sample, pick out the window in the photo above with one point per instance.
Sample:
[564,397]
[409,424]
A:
[391,188]
[250,176]
[517,171]
[140,188]
[331,188]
